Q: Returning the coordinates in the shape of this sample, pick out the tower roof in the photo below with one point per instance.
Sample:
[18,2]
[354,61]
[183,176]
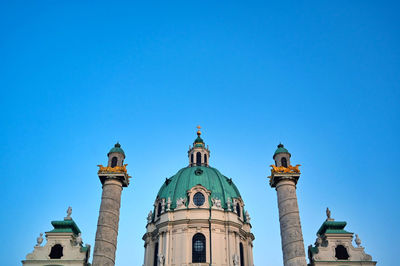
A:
[281,149]
[198,142]
[332,227]
[117,148]
[177,186]
[66,226]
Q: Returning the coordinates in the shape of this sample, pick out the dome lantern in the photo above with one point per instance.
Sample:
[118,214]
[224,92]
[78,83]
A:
[198,154]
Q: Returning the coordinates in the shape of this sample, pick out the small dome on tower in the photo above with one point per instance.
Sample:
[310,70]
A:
[281,149]
[282,156]
[117,148]
[198,142]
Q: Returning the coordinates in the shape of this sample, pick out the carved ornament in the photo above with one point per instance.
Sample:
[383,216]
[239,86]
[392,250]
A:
[282,169]
[115,169]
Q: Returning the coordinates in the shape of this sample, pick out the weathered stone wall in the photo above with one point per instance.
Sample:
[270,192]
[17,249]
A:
[175,230]
[279,157]
[289,218]
[107,225]
[73,255]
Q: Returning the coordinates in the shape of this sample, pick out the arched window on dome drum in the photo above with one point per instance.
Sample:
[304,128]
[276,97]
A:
[241,254]
[155,255]
[198,158]
[56,252]
[199,248]
[191,159]
[114,161]
[341,253]
[159,209]
[238,209]
[205,158]
[284,162]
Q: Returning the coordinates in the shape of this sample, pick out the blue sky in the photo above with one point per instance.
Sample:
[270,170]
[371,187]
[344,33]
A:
[321,77]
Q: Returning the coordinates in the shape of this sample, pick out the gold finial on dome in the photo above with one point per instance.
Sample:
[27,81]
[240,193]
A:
[198,131]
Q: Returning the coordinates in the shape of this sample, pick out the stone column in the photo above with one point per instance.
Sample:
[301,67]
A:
[167,241]
[250,253]
[107,225]
[146,245]
[289,218]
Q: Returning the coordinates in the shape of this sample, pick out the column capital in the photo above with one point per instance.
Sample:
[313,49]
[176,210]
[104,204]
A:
[275,178]
[122,177]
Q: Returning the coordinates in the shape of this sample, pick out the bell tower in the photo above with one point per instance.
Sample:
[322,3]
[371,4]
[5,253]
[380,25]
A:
[113,177]
[198,154]
[284,178]
[116,156]
[282,156]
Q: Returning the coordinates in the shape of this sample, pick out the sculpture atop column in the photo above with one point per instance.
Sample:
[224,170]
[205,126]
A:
[358,241]
[113,178]
[39,240]
[149,217]
[78,240]
[328,214]
[69,212]
[284,178]
[169,204]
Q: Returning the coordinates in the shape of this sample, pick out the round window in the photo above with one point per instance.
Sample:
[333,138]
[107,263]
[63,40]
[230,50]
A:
[198,199]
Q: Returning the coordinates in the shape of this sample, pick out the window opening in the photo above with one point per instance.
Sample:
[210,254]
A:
[284,162]
[238,209]
[341,253]
[198,158]
[155,254]
[199,199]
[205,158]
[241,254]
[159,209]
[114,161]
[199,248]
[56,252]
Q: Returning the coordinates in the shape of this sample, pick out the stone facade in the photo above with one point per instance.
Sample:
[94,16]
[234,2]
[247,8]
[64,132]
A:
[63,247]
[334,247]
[173,231]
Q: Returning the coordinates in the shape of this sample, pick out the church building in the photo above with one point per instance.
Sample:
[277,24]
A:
[198,218]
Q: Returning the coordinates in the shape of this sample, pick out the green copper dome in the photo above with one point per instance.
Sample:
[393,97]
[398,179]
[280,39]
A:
[198,140]
[281,149]
[117,148]
[220,186]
